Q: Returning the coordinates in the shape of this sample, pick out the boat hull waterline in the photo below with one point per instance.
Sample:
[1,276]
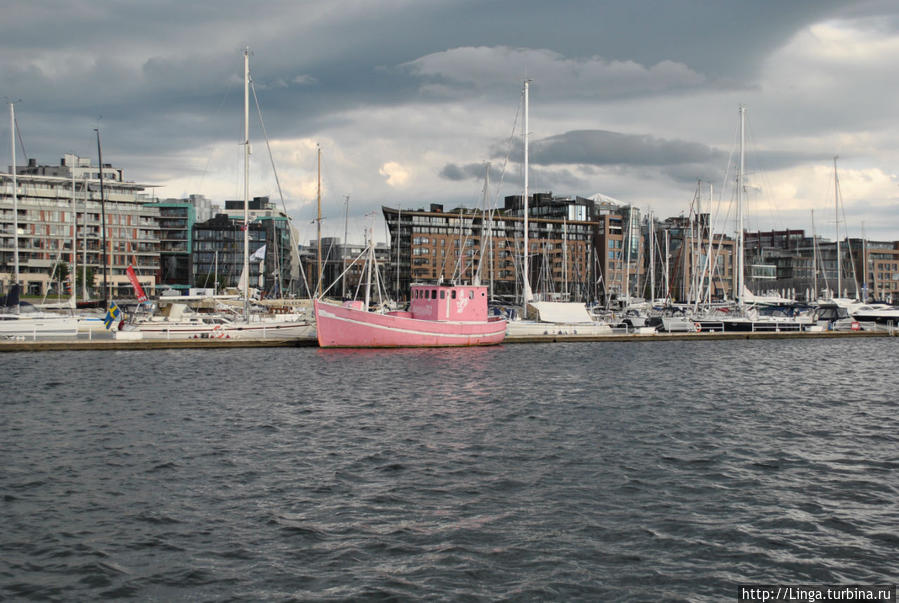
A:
[340,326]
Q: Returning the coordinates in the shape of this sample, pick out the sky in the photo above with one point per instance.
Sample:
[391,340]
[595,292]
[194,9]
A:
[409,99]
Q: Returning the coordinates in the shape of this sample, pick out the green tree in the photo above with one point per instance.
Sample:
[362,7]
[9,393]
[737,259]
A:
[60,271]
[89,278]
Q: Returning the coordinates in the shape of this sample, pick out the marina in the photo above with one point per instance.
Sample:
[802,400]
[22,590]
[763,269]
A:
[500,302]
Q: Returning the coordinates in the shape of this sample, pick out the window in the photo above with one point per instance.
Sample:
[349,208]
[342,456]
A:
[443,295]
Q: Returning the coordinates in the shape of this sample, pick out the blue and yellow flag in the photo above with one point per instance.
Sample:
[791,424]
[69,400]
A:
[111,314]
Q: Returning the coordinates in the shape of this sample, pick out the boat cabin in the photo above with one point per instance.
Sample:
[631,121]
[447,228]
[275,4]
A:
[449,302]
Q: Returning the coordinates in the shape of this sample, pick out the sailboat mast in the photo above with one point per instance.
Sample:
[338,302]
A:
[346,227]
[652,263]
[627,257]
[246,182]
[74,271]
[318,221]
[565,257]
[489,230]
[84,242]
[15,195]
[836,208]
[103,223]
[814,259]
[711,245]
[370,266]
[667,266]
[740,242]
[526,292]
[399,221]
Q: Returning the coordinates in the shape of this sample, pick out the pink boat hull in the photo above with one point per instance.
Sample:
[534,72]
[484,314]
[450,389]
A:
[340,326]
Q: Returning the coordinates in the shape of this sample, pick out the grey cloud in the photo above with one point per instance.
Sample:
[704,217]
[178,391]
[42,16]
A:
[601,147]
[470,171]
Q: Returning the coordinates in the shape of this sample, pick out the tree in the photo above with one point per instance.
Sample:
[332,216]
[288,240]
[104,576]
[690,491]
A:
[89,278]
[60,271]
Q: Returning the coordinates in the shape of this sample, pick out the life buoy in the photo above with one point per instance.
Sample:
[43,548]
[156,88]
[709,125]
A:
[698,326]
[217,332]
[855,326]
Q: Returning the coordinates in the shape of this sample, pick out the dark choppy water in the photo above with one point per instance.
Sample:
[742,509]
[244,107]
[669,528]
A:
[601,471]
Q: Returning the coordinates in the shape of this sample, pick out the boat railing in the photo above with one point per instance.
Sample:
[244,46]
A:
[775,327]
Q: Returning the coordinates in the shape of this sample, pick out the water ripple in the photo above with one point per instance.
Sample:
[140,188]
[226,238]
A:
[663,471]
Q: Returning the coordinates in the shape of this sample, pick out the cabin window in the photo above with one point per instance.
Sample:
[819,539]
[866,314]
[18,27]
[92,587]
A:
[454,294]
[433,293]
[442,294]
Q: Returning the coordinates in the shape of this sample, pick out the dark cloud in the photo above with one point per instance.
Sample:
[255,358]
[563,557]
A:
[470,171]
[601,147]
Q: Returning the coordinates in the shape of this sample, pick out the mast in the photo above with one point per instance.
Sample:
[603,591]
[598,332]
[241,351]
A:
[346,225]
[103,223]
[399,221]
[836,208]
[526,292]
[84,243]
[318,221]
[864,294]
[565,257]
[667,258]
[652,263]
[74,271]
[15,197]
[814,260]
[711,246]
[489,232]
[484,240]
[371,265]
[627,256]
[740,242]
[246,182]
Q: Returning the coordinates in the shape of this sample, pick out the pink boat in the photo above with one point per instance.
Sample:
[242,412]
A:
[438,316]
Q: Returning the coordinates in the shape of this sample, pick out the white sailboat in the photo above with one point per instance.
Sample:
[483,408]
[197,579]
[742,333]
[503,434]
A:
[19,320]
[547,317]
[181,323]
[752,313]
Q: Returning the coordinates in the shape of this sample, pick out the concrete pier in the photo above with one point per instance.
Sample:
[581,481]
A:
[75,344]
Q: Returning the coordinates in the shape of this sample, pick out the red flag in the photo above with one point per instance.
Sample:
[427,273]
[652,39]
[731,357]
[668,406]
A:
[141,296]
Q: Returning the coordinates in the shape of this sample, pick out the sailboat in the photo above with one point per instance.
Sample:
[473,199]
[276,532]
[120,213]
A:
[180,323]
[20,320]
[547,317]
[751,313]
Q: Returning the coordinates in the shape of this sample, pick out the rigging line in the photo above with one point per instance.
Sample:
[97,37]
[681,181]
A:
[21,142]
[502,173]
[209,156]
[846,231]
[293,242]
